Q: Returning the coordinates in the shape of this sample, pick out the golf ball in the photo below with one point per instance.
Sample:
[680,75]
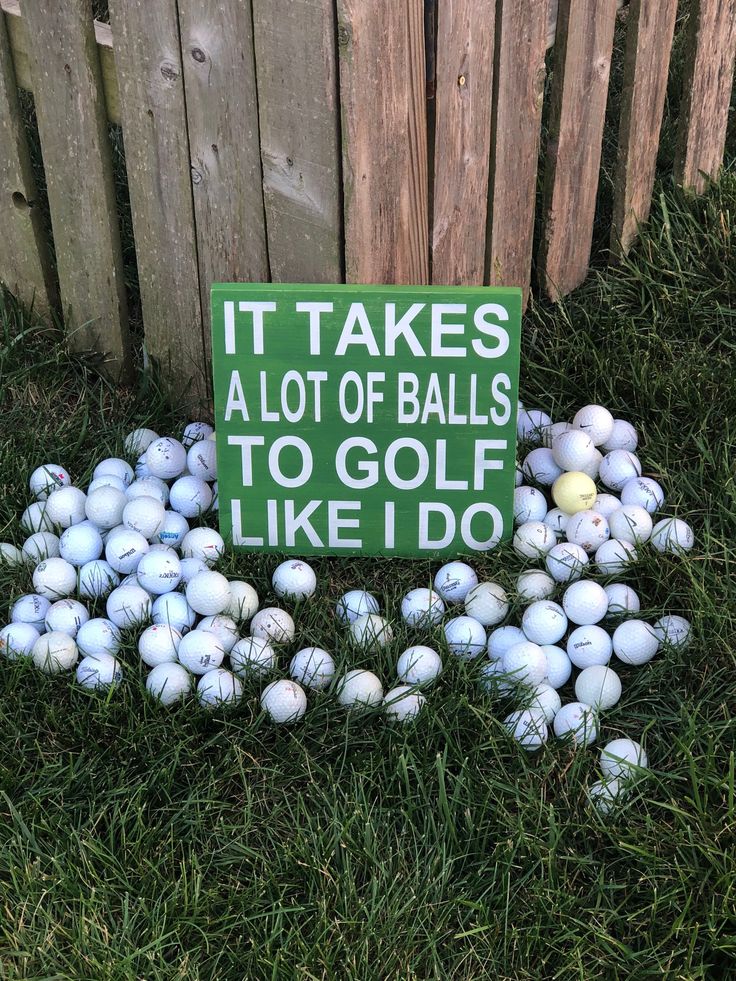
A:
[493,679]
[588,645]
[66,616]
[672,535]
[503,638]
[253,656]
[418,665]
[208,593]
[173,529]
[274,625]
[673,630]
[530,504]
[487,603]
[566,561]
[223,627]
[359,689]
[99,671]
[55,579]
[160,572]
[573,450]
[202,460]
[243,602]
[622,758]
[598,686]
[544,622]
[97,579]
[31,608]
[294,580]
[576,721]
[80,544]
[465,637]
[218,687]
[621,599]
[55,652]
[138,441]
[47,478]
[614,556]
[313,668]
[34,518]
[645,492]
[42,545]
[284,701]
[194,432]
[606,795]
[105,506]
[115,466]
[128,606]
[149,486]
[169,683]
[528,727]
[618,467]
[525,663]
[630,523]
[166,458]
[124,549]
[533,538]
[623,437]
[98,636]
[402,703]
[531,425]
[574,491]
[173,610]
[10,555]
[158,644]
[535,585]
[199,651]
[540,466]
[585,602]
[66,507]
[596,421]
[18,640]
[545,699]
[190,496]
[145,515]
[635,642]
[203,543]
[422,608]
[606,504]
[453,582]
[354,604]
[588,529]
[559,666]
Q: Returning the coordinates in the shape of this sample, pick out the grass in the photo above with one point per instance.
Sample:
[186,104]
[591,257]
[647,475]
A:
[141,843]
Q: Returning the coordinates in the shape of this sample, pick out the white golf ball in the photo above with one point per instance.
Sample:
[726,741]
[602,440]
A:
[588,645]
[544,622]
[55,579]
[528,727]
[128,606]
[200,651]
[598,686]
[124,549]
[243,602]
[31,608]
[621,599]
[534,584]
[106,480]
[98,636]
[559,666]
[99,671]
[585,602]
[114,465]
[66,507]
[588,529]
[138,441]
[159,572]
[208,593]
[622,758]
[203,543]
[253,656]
[202,460]
[189,569]
[502,639]
[493,679]
[219,687]
[645,492]
[615,556]
[10,555]
[145,515]
[606,504]
[530,504]
[104,507]
[623,437]
[465,637]
[80,544]
[173,529]
[596,421]
[573,450]
[312,667]
[42,545]
[554,429]
[169,683]
[673,630]
[525,663]
[402,703]
[630,523]
[672,535]
[539,465]
[453,582]
[18,640]
[354,604]
[35,518]
[190,496]
[531,425]
[294,580]
[618,467]
[544,698]
[635,642]
[194,432]
[274,625]
[422,607]
[97,579]
[557,520]
[284,701]
[66,616]
[606,795]
[418,665]
[47,478]
[158,644]
[173,610]
[370,632]
[359,689]
[141,467]
[166,458]
[533,538]
[576,721]
[55,652]
[149,486]
[566,561]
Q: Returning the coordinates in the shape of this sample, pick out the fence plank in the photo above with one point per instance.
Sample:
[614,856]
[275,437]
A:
[222,117]
[25,262]
[648,45]
[706,89]
[465,31]
[148,61]
[296,61]
[72,127]
[583,47]
[382,87]
[517,120]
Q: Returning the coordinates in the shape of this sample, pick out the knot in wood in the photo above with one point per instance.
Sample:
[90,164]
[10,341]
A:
[169,71]
[344,35]
[196,176]
[461,80]
[199,55]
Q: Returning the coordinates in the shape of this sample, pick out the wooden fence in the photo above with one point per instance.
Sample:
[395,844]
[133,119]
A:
[359,140]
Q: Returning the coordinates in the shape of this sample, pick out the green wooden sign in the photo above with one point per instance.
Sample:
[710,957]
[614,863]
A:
[373,420]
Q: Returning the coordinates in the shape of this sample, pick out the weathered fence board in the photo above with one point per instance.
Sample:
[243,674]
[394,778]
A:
[583,47]
[381,48]
[72,127]
[25,262]
[465,32]
[298,106]
[517,119]
[706,92]
[148,62]
[648,45]
[222,117]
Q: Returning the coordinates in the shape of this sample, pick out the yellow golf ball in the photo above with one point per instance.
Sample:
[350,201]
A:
[574,491]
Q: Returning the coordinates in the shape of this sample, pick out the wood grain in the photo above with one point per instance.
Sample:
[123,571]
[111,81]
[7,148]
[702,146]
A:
[222,118]
[465,33]
[648,45]
[706,92]
[296,59]
[384,125]
[583,48]
[72,127]
[148,62]
[517,119]
[25,263]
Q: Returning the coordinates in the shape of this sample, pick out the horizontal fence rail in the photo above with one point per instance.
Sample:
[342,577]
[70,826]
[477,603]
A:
[396,141]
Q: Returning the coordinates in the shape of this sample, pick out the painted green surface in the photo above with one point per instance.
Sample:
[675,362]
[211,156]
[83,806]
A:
[375,420]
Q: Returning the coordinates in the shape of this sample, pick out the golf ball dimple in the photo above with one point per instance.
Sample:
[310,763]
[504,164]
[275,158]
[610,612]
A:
[525,663]
[219,687]
[199,651]
[47,478]
[169,683]
[99,671]
[645,492]
[534,584]
[284,701]
[585,602]
[618,467]
[487,603]
[98,636]
[588,529]
[566,561]
[18,640]
[622,758]
[465,637]
[166,458]
[502,639]
[55,579]
[598,686]
[544,622]
[312,667]
[453,582]
[614,556]
[635,642]
[274,625]
[354,604]
[418,665]
[596,421]
[574,491]
[208,593]
[66,507]
[530,504]
[66,616]
[528,727]
[158,644]
[672,535]
[54,653]
[402,703]
[588,645]
[294,580]
[576,721]
[673,630]
[533,538]
[359,689]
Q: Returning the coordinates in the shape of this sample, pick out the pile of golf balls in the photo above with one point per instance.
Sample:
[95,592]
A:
[132,559]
